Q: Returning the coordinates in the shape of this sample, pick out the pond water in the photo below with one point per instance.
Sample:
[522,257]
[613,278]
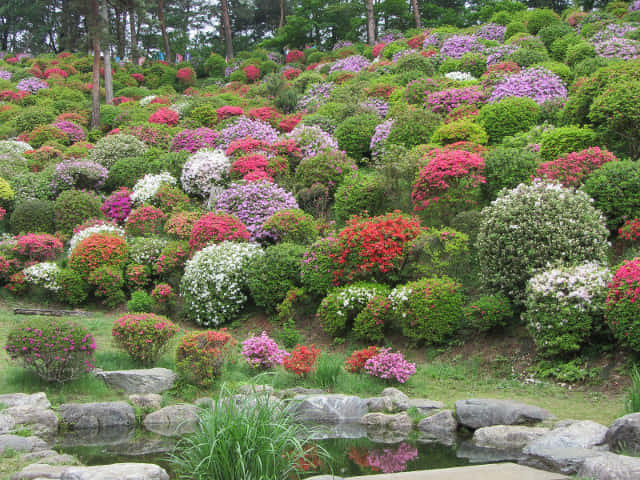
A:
[350,456]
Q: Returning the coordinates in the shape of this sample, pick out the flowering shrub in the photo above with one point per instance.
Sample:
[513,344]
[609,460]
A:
[445,101]
[229,111]
[243,127]
[389,366]
[194,140]
[294,56]
[163,295]
[145,221]
[532,226]
[622,304]
[145,250]
[148,186]
[171,259]
[118,205]
[571,169]
[328,169]
[111,148]
[216,227]
[186,76]
[98,250]
[354,63]
[201,355]
[214,281]
[291,73]
[253,203]
[534,82]
[262,352]
[56,350]
[144,336]
[252,72]
[108,283]
[630,231]
[78,174]
[31,85]
[488,312]
[457,45]
[301,360]
[312,140]
[291,225]
[564,306]
[203,170]
[138,77]
[74,132]
[137,276]
[165,116]
[316,273]
[37,247]
[44,275]
[169,198]
[355,363]
[180,224]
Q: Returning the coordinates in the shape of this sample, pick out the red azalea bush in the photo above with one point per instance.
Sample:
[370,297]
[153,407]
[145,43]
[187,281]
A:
[377,49]
[145,221]
[266,114]
[14,97]
[373,247]
[252,72]
[96,251]
[217,227]
[49,72]
[137,276]
[302,359]
[247,164]
[507,67]
[138,77]
[201,355]
[623,304]
[108,283]
[172,258]
[37,247]
[144,336]
[180,224]
[571,169]
[165,116]
[295,56]
[229,111]
[291,73]
[355,363]
[449,183]
[630,231]
[186,76]
[289,123]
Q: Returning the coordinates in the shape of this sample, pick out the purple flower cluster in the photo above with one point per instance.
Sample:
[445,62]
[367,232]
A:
[537,83]
[498,54]
[316,95]
[634,6]
[402,53]
[5,75]
[446,100]
[389,37]
[342,44]
[389,460]
[244,127]
[380,135]
[118,205]
[613,30]
[615,47]
[354,63]
[376,105]
[31,84]
[194,140]
[262,352]
[492,31]
[457,45]
[253,203]
[73,131]
[432,40]
[312,140]
[390,366]
[79,174]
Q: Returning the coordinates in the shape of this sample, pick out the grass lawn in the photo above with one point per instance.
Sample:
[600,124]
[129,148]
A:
[441,378]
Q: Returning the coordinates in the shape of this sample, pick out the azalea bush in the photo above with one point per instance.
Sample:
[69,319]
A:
[389,366]
[357,360]
[262,352]
[143,336]
[37,247]
[622,304]
[204,170]
[215,227]
[200,356]
[147,187]
[302,360]
[488,312]
[571,169]
[98,250]
[145,221]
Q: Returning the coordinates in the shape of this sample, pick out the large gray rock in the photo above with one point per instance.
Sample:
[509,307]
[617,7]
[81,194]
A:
[151,380]
[484,412]
[507,437]
[36,400]
[41,421]
[399,422]
[584,434]
[476,454]
[439,424]
[7,423]
[21,444]
[399,400]
[39,471]
[563,460]
[173,420]
[117,471]
[611,467]
[146,401]
[425,406]
[51,458]
[624,433]
[329,408]
[97,416]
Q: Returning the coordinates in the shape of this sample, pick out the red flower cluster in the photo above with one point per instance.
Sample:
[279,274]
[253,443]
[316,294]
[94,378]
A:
[507,67]
[38,247]
[630,231]
[625,284]
[201,355]
[165,116]
[416,42]
[145,221]
[302,359]
[11,96]
[186,75]
[355,363]
[295,56]
[291,73]
[120,100]
[252,72]
[572,168]
[138,77]
[217,227]
[289,123]
[380,91]
[229,111]
[266,114]
[98,250]
[377,49]
[49,72]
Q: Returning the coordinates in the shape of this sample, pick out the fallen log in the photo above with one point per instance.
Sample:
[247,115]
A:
[51,313]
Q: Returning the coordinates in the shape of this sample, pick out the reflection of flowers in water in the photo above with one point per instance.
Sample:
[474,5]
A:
[387,460]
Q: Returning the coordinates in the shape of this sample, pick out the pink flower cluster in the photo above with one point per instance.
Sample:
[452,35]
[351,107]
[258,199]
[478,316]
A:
[38,247]
[194,140]
[447,100]
[229,111]
[572,168]
[262,352]
[390,366]
[165,116]
[118,205]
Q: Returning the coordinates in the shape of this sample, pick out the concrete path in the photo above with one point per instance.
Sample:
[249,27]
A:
[496,471]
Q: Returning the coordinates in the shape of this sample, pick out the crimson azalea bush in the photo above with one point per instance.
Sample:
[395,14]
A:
[200,356]
[143,336]
[163,295]
[252,72]
[622,308]
[229,111]
[571,169]
[630,231]
[217,227]
[356,361]
[97,251]
[56,350]
[165,116]
[302,360]
[37,247]
[145,221]
[294,56]
[186,76]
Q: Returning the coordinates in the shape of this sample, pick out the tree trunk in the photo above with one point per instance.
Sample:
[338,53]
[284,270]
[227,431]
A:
[163,29]
[108,76]
[282,9]
[120,26]
[371,26]
[134,38]
[95,86]
[416,13]
[226,24]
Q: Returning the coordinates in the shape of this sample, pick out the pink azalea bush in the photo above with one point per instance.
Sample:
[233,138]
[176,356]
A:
[262,352]
[390,366]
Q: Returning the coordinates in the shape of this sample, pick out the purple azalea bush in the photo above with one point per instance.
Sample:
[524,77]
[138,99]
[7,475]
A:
[376,106]
[262,352]
[73,131]
[5,75]
[244,127]
[390,366]
[79,174]
[446,100]
[354,63]
[194,140]
[634,6]
[253,203]
[379,137]
[432,40]
[118,205]
[537,83]
[498,54]
[316,95]
[615,47]
[312,140]
[31,84]
[457,45]
[492,31]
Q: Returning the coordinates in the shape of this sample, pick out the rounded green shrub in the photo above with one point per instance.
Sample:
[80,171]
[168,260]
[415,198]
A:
[576,52]
[316,273]
[359,193]
[508,117]
[554,31]
[111,148]
[73,289]
[460,131]
[214,66]
[488,312]
[292,226]
[354,134]
[328,169]
[563,140]
[506,167]
[6,194]
[413,127]
[415,62]
[140,302]
[514,28]
[33,216]
[540,18]
[73,208]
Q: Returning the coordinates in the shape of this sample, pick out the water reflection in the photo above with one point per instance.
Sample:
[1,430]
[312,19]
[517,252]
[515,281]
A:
[386,460]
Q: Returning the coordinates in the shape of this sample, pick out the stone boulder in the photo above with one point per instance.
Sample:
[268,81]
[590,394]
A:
[36,400]
[146,401]
[439,425]
[390,400]
[484,412]
[476,454]
[173,420]
[21,444]
[37,471]
[117,471]
[584,434]
[41,421]
[151,380]
[329,408]
[97,416]
[507,437]
[399,422]
[563,460]
[609,466]
[425,406]
[624,433]
[7,423]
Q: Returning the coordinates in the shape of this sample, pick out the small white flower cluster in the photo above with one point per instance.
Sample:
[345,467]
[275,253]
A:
[43,274]
[14,146]
[87,232]
[181,107]
[143,250]
[144,101]
[398,297]
[203,169]
[214,281]
[354,296]
[147,186]
[459,76]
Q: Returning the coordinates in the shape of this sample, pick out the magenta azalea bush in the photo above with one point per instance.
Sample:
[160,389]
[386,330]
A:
[390,366]
[262,352]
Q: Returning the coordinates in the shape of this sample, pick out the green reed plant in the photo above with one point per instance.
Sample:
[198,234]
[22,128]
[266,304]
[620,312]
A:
[633,397]
[328,369]
[255,440]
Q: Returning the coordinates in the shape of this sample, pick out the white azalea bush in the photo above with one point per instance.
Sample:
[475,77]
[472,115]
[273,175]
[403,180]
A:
[14,146]
[44,275]
[564,305]
[147,186]
[112,148]
[214,284]
[145,250]
[459,76]
[339,308]
[204,169]
[531,226]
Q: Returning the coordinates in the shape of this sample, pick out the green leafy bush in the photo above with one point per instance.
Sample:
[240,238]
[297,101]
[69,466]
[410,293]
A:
[73,208]
[200,355]
[33,216]
[508,117]
[328,169]
[415,62]
[488,312]
[141,302]
[506,167]
[354,134]
[73,289]
[562,140]
[360,193]
[413,127]
[291,225]
[112,148]
[316,274]
[108,284]
[460,131]
[370,323]
[540,18]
